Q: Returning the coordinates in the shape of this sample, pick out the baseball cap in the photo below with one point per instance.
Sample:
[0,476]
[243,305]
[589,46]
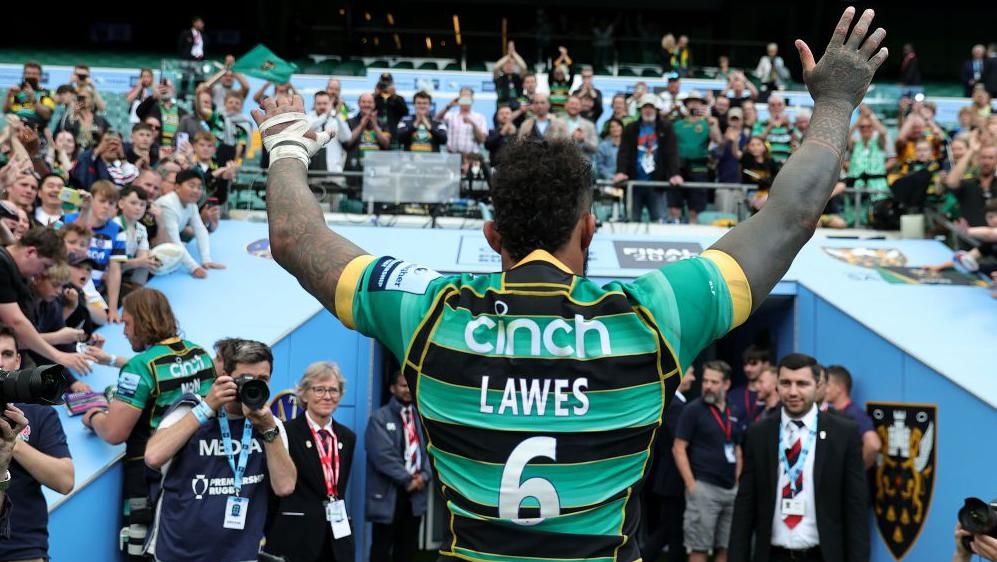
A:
[693,95]
[387,77]
[735,113]
[77,260]
[650,99]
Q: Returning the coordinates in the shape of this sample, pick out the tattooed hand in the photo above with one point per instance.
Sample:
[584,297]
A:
[844,72]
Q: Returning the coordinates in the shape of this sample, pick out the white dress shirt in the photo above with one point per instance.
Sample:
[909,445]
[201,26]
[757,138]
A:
[335,125]
[805,534]
[175,217]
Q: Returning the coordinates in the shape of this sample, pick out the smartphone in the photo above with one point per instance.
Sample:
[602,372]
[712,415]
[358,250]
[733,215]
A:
[71,196]
[164,82]
[212,202]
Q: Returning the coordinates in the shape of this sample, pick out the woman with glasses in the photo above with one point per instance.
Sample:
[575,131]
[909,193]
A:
[311,524]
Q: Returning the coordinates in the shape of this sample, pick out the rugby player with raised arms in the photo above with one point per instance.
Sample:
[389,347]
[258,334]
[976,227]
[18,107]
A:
[539,390]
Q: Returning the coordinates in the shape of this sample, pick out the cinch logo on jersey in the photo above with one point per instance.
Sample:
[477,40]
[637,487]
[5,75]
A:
[500,338]
[182,368]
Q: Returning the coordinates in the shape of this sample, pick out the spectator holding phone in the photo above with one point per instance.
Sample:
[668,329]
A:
[142,151]
[83,121]
[162,106]
[140,91]
[105,162]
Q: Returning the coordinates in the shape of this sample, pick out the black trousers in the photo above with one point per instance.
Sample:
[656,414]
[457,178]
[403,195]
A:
[663,525]
[396,541]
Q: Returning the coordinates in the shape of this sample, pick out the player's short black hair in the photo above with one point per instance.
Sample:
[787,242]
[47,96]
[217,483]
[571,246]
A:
[540,190]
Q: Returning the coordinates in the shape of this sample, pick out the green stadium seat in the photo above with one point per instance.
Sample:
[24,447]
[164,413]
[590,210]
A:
[650,73]
[428,65]
[350,68]
[603,71]
[379,64]
[452,66]
[406,64]
[626,71]
[477,67]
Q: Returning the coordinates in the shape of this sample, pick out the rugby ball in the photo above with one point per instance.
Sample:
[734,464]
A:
[169,255]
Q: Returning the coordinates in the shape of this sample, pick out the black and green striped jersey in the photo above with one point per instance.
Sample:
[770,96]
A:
[156,378]
[540,391]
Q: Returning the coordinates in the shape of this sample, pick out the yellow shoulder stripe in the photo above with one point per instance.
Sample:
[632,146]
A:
[737,284]
[346,289]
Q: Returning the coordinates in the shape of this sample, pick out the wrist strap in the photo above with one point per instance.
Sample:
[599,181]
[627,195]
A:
[203,412]
[112,361]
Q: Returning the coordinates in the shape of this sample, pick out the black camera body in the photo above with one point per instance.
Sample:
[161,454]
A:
[979,518]
[37,385]
[251,391]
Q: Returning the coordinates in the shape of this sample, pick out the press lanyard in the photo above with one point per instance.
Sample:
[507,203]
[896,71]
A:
[247,440]
[329,460]
[793,472]
[716,415]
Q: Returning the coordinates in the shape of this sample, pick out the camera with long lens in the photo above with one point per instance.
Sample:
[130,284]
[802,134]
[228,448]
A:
[252,392]
[979,518]
[38,385]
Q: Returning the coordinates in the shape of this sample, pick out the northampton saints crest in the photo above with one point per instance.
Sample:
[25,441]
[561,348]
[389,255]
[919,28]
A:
[905,471]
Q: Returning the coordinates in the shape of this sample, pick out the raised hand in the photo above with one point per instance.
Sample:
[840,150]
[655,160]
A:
[845,70]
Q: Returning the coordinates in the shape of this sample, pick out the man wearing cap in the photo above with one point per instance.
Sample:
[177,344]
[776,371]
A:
[648,152]
[693,134]
[727,153]
[179,210]
[388,104]
[670,104]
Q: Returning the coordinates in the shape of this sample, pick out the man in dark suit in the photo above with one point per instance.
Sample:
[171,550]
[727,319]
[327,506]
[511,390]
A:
[802,495]
[648,152]
[190,44]
[973,70]
[398,476]
[299,527]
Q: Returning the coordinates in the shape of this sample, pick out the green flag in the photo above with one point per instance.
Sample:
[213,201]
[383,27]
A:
[261,62]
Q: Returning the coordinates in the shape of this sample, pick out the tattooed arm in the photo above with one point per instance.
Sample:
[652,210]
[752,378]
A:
[766,244]
[300,240]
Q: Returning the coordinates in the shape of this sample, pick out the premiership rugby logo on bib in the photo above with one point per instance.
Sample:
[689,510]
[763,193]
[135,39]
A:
[905,471]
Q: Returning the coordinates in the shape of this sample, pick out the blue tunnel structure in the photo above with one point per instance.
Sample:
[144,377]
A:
[927,347]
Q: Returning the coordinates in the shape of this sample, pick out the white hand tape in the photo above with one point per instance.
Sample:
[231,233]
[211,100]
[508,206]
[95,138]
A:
[292,142]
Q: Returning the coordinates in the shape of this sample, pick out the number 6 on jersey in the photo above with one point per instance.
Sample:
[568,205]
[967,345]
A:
[512,492]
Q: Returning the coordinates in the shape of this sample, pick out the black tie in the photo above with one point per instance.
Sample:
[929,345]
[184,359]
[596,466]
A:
[799,423]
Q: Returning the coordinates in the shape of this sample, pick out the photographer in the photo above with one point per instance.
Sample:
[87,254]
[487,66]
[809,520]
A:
[983,546]
[80,80]
[83,122]
[29,100]
[8,439]
[389,104]
[199,516]
[40,457]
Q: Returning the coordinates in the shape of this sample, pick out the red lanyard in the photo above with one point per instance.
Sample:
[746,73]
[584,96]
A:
[329,460]
[716,415]
[748,407]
